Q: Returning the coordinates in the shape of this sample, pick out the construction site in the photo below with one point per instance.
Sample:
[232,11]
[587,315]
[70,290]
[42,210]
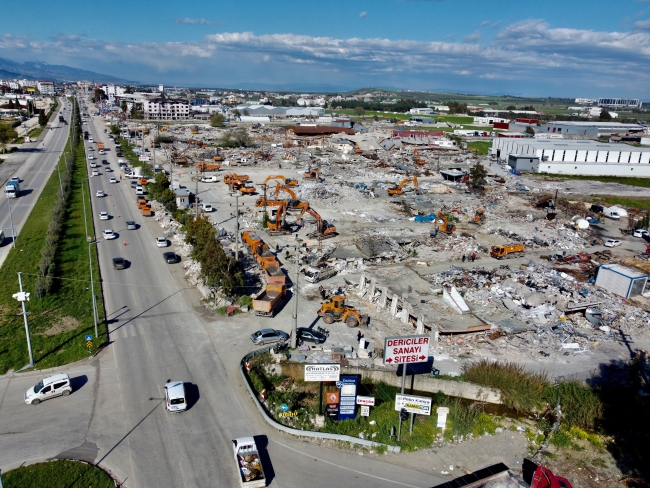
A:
[510,268]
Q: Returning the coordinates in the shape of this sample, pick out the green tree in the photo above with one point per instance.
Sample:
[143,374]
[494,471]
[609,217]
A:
[42,118]
[477,175]
[217,120]
[136,114]
[605,116]
[236,113]
[7,134]
[124,107]
[114,128]
[10,104]
[530,130]
[359,111]
[511,107]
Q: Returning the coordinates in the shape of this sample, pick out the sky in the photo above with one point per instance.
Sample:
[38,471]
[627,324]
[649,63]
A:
[563,48]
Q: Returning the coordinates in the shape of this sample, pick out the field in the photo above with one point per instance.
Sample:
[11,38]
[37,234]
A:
[58,321]
[57,474]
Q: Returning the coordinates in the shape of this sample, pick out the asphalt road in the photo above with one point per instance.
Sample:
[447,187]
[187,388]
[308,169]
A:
[157,336]
[34,173]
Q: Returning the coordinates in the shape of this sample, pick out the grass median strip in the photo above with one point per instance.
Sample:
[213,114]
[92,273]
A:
[57,474]
[60,320]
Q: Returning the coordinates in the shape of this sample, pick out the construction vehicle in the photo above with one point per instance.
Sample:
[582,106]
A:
[285,181]
[316,274]
[249,464]
[231,178]
[278,226]
[268,301]
[246,190]
[195,129]
[100,145]
[442,224]
[335,310]
[205,166]
[313,174]
[508,251]
[144,181]
[281,188]
[217,156]
[479,217]
[323,230]
[274,275]
[357,149]
[398,190]
[419,160]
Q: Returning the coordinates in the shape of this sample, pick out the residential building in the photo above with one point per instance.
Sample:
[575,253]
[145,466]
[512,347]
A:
[421,111]
[46,87]
[166,109]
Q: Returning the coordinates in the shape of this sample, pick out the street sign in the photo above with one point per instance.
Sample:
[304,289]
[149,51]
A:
[89,344]
[406,349]
[365,410]
[365,400]
[284,407]
[413,404]
[88,338]
[348,398]
[322,372]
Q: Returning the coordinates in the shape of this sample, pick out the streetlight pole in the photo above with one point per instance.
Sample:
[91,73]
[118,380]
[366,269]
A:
[11,221]
[22,296]
[294,326]
[90,261]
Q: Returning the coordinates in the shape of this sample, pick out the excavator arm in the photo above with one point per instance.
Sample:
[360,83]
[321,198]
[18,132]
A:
[281,188]
[398,190]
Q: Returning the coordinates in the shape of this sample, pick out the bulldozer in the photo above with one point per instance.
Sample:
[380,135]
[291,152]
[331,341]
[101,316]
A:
[479,217]
[398,190]
[335,310]
[441,224]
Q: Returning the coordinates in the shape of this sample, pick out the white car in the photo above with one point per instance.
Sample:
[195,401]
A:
[175,396]
[640,233]
[100,193]
[90,156]
[108,234]
[161,242]
[101,151]
[94,173]
[612,242]
[108,169]
[50,387]
[103,215]
[112,180]
[90,139]
[207,207]
[93,164]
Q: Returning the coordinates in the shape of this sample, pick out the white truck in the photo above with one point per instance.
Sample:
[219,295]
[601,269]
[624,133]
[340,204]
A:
[612,213]
[314,275]
[136,173]
[249,465]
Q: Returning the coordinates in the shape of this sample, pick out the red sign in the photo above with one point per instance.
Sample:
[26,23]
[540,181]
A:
[332,397]
[406,349]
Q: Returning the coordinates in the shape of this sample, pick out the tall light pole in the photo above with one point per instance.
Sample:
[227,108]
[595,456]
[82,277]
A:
[22,297]
[90,261]
[11,221]
[294,326]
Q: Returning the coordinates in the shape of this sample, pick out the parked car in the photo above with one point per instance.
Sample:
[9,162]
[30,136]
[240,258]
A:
[175,396]
[119,263]
[640,232]
[161,241]
[310,335]
[134,183]
[108,234]
[100,193]
[103,216]
[130,225]
[266,336]
[612,242]
[170,257]
[50,387]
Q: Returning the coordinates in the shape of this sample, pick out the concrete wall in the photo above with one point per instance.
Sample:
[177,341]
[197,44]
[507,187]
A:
[469,391]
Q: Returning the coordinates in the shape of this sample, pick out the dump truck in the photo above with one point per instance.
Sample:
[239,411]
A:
[251,239]
[203,166]
[273,275]
[146,211]
[144,181]
[314,275]
[335,310]
[265,258]
[269,300]
[508,251]
[249,464]
[100,145]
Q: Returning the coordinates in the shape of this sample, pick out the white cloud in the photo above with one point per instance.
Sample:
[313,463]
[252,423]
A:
[363,14]
[642,25]
[474,37]
[189,21]
[486,22]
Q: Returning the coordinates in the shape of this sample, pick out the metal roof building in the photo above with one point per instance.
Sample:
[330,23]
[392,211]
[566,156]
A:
[578,157]
[590,129]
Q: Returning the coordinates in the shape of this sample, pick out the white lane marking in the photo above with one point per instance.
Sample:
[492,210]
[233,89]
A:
[343,467]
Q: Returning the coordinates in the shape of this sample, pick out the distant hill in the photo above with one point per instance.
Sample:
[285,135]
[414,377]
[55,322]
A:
[40,70]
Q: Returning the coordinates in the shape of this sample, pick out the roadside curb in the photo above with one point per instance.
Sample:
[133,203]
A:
[297,432]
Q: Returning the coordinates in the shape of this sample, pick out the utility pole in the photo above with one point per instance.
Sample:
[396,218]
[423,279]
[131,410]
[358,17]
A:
[294,325]
[237,227]
[21,297]
[90,261]
[11,221]
[196,197]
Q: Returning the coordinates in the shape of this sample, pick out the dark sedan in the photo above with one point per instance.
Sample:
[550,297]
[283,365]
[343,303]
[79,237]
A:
[119,263]
[310,335]
[170,257]
[266,336]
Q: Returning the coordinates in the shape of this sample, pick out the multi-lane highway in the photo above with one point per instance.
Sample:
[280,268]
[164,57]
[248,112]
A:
[33,171]
[156,336]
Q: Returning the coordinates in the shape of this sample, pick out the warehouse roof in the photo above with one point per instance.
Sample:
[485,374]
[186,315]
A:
[577,145]
[625,271]
[604,125]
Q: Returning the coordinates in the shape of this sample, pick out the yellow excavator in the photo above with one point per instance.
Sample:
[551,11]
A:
[441,224]
[282,188]
[285,181]
[324,230]
[419,160]
[357,149]
[278,225]
[479,217]
[398,190]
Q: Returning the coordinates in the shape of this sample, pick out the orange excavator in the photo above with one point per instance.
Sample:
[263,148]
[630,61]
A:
[282,188]
[285,181]
[313,174]
[357,149]
[324,230]
[479,217]
[398,190]
[419,160]
[441,224]
[278,226]
[246,190]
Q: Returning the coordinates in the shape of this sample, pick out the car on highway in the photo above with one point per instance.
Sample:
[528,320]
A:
[100,193]
[130,225]
[112,180]
[101,151]
[93,164]
[267,336]
[119,263]
[108,169]
[104,161]
[50,387]
[134,183]
[139,190]
[612,243]
[91,148]
[91,140]
[15,178]
[94,173]
[109,234]
[310,335]
[103,216]
[637,232]
[161,241]
[91,157]
[175,396]
[207,207]
[170,257]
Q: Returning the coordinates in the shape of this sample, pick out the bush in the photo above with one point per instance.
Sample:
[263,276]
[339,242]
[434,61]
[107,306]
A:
[581,406]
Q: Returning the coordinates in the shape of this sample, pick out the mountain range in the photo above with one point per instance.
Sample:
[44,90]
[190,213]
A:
[40,70]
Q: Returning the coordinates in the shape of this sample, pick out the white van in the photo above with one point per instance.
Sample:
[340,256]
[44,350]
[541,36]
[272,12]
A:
[612,213]
[175,396]
[139,190]
[50,387]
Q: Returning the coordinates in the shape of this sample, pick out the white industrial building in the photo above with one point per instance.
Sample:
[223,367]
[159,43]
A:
[577,157]
[590,129]
[619,102]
